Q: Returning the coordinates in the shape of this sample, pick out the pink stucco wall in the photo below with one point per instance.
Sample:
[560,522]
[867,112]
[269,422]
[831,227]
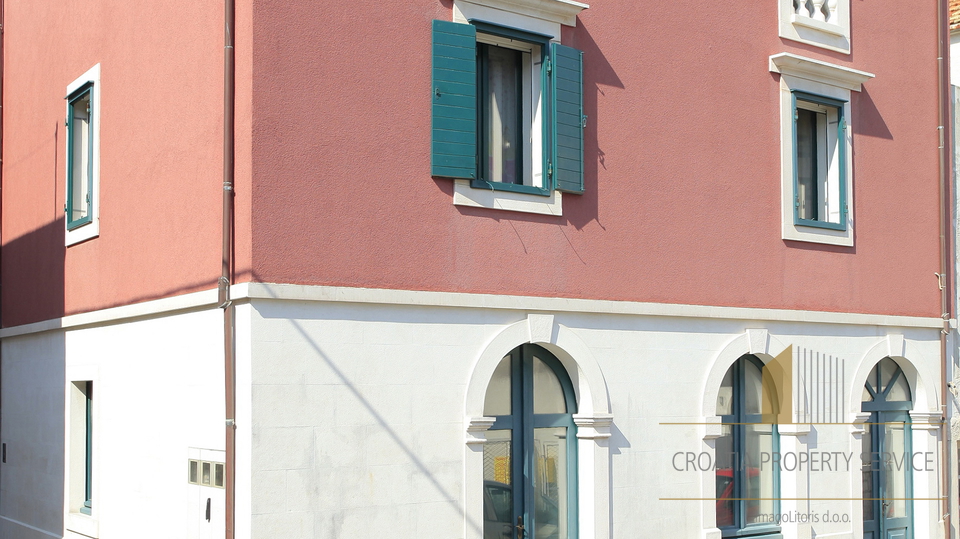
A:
[161,124]
[333,171]
[682,162]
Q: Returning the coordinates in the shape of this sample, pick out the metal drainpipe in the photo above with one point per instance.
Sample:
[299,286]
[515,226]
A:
[944,261]
[229,354]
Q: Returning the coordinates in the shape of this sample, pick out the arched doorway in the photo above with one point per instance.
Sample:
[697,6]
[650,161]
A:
[886,458]
[529,457]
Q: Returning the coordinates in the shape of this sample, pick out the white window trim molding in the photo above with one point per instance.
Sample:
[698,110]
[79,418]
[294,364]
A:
[465,195]
[75,523]
[828,80]
[525,15]
[594,420]
[92,229]
[554,11]
[834,35]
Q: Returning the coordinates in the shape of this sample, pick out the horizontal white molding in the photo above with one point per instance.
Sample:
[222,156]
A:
[29,527]
[244,292]
[184,302]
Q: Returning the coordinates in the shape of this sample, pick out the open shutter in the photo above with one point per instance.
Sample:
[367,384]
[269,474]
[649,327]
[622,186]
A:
[568,119]
[454,148]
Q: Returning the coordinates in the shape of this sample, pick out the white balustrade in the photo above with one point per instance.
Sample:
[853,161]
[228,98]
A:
[819,10]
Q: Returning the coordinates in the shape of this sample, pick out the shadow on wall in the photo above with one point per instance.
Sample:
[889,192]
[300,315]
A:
[32,276]
[597,74]
[32,378]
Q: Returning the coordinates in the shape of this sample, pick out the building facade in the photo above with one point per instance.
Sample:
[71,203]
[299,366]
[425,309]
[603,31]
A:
[500,268]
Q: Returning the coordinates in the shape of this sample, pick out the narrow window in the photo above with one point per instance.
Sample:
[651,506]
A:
[746,483]
[819,198]
[79,157]
[81,447]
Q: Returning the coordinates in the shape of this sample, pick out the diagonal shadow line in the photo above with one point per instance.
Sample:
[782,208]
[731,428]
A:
[393,435]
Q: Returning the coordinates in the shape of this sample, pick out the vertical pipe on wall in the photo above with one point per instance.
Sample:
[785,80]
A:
[945,307]
[229,353]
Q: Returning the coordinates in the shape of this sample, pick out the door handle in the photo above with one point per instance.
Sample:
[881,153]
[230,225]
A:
[520,530]
[208,509]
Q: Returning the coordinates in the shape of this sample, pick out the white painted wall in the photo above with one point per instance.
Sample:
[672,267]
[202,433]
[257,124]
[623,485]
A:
[158,390]
[358,427]
[351,417]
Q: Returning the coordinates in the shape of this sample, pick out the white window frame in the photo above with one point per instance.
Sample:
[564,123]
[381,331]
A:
[75,522]
[819,79]
[89,230]
[542,17]
[833,34]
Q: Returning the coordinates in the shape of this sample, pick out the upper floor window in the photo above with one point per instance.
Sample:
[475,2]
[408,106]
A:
[81,201]
[816,142]
[825,23]
[508,115]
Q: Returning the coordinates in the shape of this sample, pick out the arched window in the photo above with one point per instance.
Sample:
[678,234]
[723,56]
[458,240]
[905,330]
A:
[747,482]
[529,458]
[885,460]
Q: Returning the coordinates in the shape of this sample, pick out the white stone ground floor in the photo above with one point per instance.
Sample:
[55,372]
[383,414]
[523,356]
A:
[361,413]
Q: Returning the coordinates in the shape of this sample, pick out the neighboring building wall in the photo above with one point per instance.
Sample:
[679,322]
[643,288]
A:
[157,391]
[160,153]
[682,161]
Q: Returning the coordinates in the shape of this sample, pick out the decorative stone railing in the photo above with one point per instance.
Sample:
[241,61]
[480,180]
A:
[818,10]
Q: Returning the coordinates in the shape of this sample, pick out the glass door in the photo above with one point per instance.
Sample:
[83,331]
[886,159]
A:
[529,457]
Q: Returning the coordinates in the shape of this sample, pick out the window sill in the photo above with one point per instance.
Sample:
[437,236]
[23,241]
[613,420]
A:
[83,525]
[84,232]
[509,200]
[820,26]
[818,234]
[821,224]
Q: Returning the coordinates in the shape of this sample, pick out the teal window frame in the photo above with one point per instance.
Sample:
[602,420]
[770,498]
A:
[87,507]
[457,128]
[841,175]
[737,421]
[543,42]
[84,91]
[522,422]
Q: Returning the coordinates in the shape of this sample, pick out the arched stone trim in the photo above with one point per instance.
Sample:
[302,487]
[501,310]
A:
[923,380]
[592,395]
[593,420]
[760,343]
[753,341]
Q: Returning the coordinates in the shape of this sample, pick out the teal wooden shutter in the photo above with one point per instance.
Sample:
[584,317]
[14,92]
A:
[454,148]
[568,121]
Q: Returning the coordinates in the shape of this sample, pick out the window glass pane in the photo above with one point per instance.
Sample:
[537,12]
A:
[887,369]
[497,489]
[547,393]
[895,471]
[752,387]
[866,471]
[725,395]
[80,157]
[725,478]
[900,390]
[550,485]
[501,113]
[866,397]
[757,474]
[218,475]
[194,471]
[497,401]
[205,476]
[807,173]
